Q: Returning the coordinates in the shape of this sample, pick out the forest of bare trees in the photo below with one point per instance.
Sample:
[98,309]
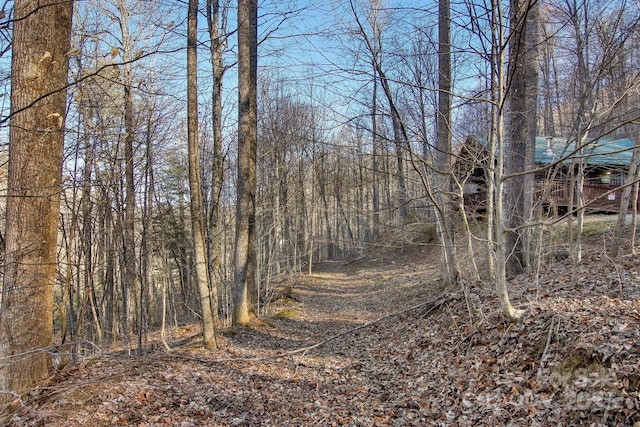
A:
[205,154]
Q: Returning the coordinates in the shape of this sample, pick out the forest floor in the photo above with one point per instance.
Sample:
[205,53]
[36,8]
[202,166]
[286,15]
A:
[376,342]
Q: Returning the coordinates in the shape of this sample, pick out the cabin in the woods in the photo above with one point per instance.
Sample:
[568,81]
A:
[606,163]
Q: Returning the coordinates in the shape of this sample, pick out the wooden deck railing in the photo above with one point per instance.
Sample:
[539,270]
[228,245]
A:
[556,194]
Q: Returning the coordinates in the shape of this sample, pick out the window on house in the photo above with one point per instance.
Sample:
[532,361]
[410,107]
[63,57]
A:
[617,178]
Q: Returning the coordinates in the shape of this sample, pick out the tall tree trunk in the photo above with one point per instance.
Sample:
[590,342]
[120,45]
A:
[247,151]
[88,233]
[400,140]
[497,157]
[400,137]
[374,126]
[549,128]
[146,269]
[217,28]
[584,116]
[522,95]
[511,313]
[195,189]
[41,40]
[444,209]
[129,275]
[109,272]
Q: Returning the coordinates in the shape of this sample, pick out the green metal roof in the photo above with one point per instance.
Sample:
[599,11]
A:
[603,151]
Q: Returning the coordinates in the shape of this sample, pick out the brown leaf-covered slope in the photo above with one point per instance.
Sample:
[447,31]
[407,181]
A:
[437,358]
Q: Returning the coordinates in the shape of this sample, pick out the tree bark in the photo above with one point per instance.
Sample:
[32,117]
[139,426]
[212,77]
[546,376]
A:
[129,275]
[247,150]
[195,189]
[216,25]
[375,201]
[522,89]
[147,284]
[443,147]
[41,40]
[497,152]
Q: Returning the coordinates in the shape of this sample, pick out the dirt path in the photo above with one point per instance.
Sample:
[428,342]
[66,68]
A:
[330,385]
[572,360]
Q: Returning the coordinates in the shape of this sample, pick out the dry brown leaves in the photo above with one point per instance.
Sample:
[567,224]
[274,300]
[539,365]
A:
[572,360]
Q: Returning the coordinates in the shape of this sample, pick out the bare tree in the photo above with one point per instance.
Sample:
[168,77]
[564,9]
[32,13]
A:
[41,41]
[195,189]
[375,53]
[216,23]
[522,84]
[129,274]
[443,146]
[373,45]
[125,123]
[244,281]
[496,162]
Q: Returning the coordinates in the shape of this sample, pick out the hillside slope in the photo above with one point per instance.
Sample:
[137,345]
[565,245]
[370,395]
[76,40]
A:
[376,342]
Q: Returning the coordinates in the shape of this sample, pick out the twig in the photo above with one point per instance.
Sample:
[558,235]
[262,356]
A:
[353,260]
[546,348]
[463,340]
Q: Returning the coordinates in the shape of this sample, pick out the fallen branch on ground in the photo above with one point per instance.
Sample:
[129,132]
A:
[431,304]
